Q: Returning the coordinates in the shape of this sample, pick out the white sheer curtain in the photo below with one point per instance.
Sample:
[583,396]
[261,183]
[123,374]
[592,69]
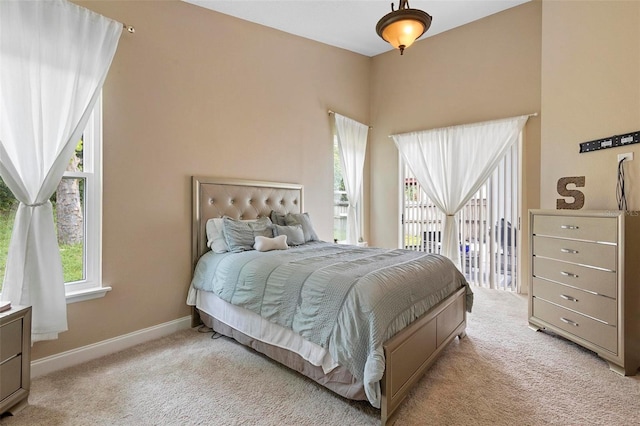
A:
[452,163]
[54,58]
[352,143]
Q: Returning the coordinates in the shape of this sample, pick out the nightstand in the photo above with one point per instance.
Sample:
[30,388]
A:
[15,358]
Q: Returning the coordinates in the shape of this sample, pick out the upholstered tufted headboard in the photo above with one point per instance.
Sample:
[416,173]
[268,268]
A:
[239,199]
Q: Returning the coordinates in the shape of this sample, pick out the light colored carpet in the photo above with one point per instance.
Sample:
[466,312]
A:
[502,373]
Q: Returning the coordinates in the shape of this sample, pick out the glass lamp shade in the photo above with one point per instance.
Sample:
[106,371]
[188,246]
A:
[403,33]
[402,27]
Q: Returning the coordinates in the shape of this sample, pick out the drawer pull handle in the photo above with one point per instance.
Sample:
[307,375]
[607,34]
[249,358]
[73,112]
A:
[570,298]
[572,251]
[569,227]
[569,274]
[568,321]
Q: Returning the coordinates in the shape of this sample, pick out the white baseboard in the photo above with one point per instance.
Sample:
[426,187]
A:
[77,356]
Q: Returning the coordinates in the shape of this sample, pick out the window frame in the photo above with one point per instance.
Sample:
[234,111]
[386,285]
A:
[91,286]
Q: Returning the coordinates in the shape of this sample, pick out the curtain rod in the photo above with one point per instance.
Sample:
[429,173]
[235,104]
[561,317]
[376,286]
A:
[533,114]
[129,28]
[332,112]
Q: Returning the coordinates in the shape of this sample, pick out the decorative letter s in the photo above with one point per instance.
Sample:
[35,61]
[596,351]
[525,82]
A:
[578,196]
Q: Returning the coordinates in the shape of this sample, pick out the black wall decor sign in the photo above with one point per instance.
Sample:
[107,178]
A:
[610,142]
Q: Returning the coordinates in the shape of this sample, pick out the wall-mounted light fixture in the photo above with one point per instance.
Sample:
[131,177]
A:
[402,27]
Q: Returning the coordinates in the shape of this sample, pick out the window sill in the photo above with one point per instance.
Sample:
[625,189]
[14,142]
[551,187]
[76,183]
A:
[88,294]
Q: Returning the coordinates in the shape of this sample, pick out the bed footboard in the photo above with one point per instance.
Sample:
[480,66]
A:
[409,353]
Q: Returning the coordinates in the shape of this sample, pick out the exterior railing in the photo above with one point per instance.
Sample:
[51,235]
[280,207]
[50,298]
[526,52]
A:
[340,207]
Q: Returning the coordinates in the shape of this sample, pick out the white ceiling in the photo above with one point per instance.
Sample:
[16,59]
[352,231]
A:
[351,24]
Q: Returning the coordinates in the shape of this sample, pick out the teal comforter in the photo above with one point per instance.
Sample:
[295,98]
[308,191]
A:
[347,299]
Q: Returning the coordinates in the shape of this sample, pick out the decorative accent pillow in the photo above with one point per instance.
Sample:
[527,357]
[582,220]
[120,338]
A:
[277,218]
[294,234]
[304,220]
[215,236]
[268,244]
[240,235]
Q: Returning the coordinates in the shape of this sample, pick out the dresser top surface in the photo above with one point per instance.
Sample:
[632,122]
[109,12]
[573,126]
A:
[586,213]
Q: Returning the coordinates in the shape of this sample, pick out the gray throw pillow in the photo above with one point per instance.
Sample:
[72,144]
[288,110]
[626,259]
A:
[304,220]
[241,235]
[295,235]
[277,218]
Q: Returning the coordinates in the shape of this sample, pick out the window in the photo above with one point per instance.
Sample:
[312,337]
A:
[77,205]
[340,200]
[88,179]
[8,206]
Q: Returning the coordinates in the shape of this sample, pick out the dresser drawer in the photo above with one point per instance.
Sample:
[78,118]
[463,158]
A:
[592,254]
[590,279]
[598,307]
[10,377]
[11,334]
[600,334]
[604,229]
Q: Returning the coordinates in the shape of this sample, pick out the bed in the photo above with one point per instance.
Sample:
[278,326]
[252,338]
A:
[359,321]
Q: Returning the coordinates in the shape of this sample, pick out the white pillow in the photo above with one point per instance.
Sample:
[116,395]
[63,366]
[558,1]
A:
[215,236]
[267,244]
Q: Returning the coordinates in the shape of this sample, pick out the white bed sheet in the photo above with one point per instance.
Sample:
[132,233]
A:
[254,326]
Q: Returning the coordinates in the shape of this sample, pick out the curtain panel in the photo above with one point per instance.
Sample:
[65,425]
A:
[54,58]
[452,163]
[352,144]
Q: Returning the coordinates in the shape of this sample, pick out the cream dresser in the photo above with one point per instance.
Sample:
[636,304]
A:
[585,281]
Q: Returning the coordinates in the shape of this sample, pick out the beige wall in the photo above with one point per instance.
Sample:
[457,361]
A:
[485,70]
[590,90]
[194,92]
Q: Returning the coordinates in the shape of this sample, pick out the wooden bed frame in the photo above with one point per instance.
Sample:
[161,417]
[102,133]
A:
[407,355]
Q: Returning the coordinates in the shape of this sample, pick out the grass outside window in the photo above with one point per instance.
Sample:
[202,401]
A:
[72,255]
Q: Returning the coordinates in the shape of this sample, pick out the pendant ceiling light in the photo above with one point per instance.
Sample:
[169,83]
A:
[402,27]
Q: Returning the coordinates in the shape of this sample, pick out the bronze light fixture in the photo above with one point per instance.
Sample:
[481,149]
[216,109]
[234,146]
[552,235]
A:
[402,27]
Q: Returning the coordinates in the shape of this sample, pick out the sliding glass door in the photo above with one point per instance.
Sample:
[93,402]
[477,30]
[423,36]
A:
[489,224]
